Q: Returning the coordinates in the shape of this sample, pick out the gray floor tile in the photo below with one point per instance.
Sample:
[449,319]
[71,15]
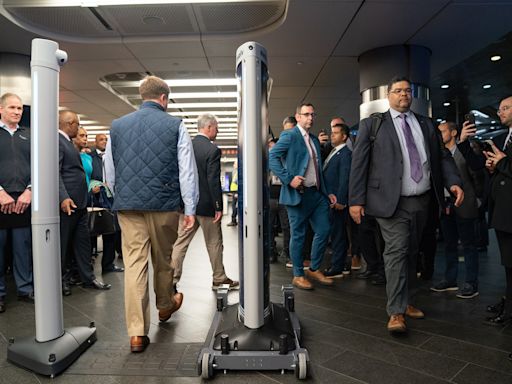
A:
[474,374]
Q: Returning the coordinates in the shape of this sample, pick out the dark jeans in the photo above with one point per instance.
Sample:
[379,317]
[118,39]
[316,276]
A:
[455,228]
[279,211]
[22,259]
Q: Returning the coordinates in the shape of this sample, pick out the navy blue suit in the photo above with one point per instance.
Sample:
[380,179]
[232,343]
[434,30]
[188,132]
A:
[287,159]
[336,175]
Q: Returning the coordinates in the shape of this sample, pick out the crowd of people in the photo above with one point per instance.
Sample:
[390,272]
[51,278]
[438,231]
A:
[379,198]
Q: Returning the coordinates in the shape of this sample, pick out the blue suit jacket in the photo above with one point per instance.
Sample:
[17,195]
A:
[289,158]
[336,174]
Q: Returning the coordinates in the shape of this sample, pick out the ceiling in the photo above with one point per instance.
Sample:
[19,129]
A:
[313,48]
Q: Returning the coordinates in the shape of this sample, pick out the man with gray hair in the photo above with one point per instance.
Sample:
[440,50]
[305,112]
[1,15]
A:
[209,207]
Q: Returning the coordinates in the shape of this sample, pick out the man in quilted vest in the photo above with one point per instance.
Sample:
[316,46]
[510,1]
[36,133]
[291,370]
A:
[150,166]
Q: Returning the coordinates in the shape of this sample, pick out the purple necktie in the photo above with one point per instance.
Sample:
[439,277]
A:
[414,155]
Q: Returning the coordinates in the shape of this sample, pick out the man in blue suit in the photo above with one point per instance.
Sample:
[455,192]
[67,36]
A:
[296,160]
[336,175]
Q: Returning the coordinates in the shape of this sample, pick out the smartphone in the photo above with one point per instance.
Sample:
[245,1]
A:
[487,145]
[470,117]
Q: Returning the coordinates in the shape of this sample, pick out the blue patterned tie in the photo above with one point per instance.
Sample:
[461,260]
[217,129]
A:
[414,155]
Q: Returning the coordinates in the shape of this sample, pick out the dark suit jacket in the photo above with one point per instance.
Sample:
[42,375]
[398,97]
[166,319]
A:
[207,157]
[72,181]
[337,173]
[97,166]
[376,184]
[289,158]
[471,183]
[500,196]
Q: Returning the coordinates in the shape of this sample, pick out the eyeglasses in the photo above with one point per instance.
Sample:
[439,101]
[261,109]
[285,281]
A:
[307,114]
[400,90]
[504,109]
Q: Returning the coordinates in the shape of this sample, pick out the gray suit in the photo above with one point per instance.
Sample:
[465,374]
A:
[376,184]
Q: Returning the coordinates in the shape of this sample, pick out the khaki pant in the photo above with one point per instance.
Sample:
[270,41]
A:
[144,232]
[212,237]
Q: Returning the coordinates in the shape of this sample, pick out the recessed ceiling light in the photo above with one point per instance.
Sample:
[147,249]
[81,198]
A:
[439,120]
[445,86]
[493,122]
[486,86]
[300,62]
[447,104]
[495,58]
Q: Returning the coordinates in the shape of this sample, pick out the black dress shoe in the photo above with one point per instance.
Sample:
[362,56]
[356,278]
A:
[500,319]
[365,275]
[379,280]
[95,284]
[496,308]
[27,298]
[115,268]
[66,289]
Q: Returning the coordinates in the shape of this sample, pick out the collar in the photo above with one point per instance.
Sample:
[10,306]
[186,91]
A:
[339,147]
[11,131]
[303,132]
[99,152]
[152,104]
[394,113]
[64,134]
[202,134]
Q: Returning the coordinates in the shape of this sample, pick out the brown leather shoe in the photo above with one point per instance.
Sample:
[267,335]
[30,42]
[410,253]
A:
[138,343]
[165,314]
[414,313]
[396,324]
[319,276]
[302,283]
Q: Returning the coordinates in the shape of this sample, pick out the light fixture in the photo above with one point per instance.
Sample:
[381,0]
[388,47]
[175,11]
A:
[495,58]
[198,113]
[445,86]
[219,120]
[97,128]
[200,82]
[439,120]
[447,104]
[486,86]
[203,95]
[88,122]
[202,105]
[99,3]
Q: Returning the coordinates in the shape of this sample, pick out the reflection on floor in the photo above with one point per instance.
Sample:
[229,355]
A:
[344,329]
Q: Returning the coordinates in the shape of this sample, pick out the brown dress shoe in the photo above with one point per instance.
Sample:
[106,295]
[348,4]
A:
[302,283]
[165,314]
[396,324]
[414,313]
[319,276]
[138,343]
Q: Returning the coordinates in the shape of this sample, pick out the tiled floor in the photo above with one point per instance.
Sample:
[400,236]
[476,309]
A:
[344,329]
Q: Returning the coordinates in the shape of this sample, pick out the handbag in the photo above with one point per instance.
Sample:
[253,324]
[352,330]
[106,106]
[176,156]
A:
[101,221]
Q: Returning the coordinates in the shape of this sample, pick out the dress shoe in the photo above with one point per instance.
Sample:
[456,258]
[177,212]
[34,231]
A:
[232,284]
[355,263]
[74,280]
[496,308]
[27,298]
[232,224]
[365,275]
[379,280]
[165,314]
[319,276]
[115,268]
[500,319]
[302,283]
[2,306]
[96,284]
[396,324]
[414,313]
[138,343]
[66,289]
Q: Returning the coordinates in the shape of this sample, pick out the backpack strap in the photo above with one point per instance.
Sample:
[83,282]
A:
[377,118]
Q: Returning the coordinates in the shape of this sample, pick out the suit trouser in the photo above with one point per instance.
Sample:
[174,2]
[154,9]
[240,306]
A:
[402,234]
[339,238]
[74,235]
[145,232]
[313,209]
[370,243]
[21,260]
[212,233]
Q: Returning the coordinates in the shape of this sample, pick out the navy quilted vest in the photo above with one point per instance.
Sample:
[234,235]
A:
[144,148]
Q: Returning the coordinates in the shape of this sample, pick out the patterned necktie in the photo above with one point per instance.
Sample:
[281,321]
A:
[508,143]
[414,155]
[313,158]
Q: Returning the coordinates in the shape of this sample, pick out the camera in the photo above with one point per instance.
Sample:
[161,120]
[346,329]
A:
[62,57]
